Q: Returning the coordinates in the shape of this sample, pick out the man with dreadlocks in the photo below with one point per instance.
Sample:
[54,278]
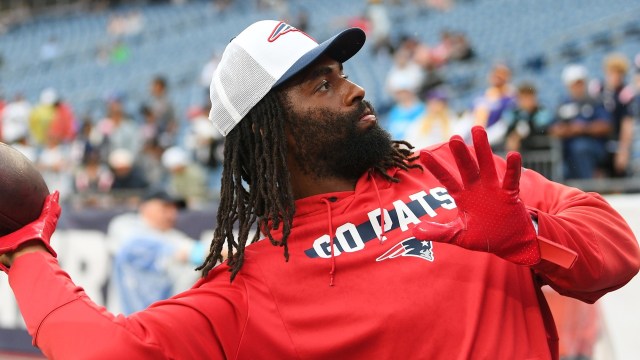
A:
[380,252]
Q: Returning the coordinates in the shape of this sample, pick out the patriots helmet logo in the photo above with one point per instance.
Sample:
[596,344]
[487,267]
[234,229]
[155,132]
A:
[281,29]
[410,247]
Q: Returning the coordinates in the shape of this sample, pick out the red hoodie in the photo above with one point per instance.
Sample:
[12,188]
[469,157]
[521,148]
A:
[396,299]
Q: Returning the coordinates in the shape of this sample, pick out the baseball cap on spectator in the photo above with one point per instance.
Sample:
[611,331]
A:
[402,82]
[175,157]
[263,56]
[48,96]
[14,133]
[572,73]
[160,194]
[120,158]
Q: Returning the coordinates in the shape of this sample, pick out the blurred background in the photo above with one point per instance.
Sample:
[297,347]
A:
[110,100]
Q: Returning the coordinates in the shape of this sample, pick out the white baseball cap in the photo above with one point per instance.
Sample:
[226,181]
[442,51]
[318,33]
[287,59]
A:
[175,157]
[574,72]
[121,158]
[263,56]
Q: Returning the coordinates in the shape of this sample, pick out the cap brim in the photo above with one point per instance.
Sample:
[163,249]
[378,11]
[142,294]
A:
[165,197]
[340,47]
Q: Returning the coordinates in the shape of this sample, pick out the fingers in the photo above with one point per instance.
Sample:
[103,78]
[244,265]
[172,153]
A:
[511,180]
[484,155]
[434,166]
[427,230]
[466,164]
[56,196]
[51,205]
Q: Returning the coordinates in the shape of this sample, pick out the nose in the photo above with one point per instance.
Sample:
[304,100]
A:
[354,94]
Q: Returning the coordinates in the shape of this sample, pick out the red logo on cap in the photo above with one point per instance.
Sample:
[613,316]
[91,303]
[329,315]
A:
[281,29]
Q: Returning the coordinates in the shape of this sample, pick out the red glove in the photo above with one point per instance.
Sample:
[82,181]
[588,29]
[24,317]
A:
[492,218]
[40,229]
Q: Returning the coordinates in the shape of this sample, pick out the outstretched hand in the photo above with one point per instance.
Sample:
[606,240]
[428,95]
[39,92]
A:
[38,231]
[491,216]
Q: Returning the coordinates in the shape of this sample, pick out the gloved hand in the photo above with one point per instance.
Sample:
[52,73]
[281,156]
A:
[40,229]
[491,216]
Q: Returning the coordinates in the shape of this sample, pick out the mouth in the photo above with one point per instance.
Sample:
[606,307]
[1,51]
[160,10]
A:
[367,119]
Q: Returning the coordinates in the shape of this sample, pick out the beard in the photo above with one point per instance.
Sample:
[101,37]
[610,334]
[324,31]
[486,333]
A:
[330,144]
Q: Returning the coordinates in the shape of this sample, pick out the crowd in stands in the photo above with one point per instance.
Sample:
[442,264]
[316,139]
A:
[149,144]
[594,126]
[120,153]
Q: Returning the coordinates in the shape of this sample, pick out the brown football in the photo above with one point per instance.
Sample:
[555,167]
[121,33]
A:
[22,190]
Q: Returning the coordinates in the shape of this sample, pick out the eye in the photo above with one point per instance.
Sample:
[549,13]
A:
[324,86]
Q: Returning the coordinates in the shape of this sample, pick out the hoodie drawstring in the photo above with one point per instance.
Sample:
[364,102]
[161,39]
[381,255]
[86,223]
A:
[375,186]
[331,236]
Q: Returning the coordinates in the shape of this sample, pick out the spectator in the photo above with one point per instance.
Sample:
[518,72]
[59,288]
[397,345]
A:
[441,53]
[616,97]
[459,47]
[407,110]
[203,140]
[149,129]
[404,72]
[153,261]
[85,143]
[186,179]
[150,161]
[378,17]
[419,53]
[452,46]
[117,130]
[437,125]
[63,125]
[42,116]
[410,44]
[53,163]
[527,122]
[21,143]
[583,125]
[163,112]
[403,81]
[92,176]
[499,97]
[127,174]
[15,119]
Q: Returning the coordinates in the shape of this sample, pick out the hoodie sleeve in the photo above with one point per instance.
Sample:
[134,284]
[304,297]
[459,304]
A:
[607,251]
[66,324]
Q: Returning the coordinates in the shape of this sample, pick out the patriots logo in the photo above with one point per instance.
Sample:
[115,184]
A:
[281,29]
[410,247]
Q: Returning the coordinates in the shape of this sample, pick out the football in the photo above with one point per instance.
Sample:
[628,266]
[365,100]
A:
[22,190]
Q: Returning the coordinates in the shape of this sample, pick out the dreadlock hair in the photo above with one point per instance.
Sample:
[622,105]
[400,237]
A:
[254,154]
[401,157]
[256,187]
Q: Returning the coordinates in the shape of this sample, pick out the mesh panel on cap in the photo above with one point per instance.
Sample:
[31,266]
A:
[237,87]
